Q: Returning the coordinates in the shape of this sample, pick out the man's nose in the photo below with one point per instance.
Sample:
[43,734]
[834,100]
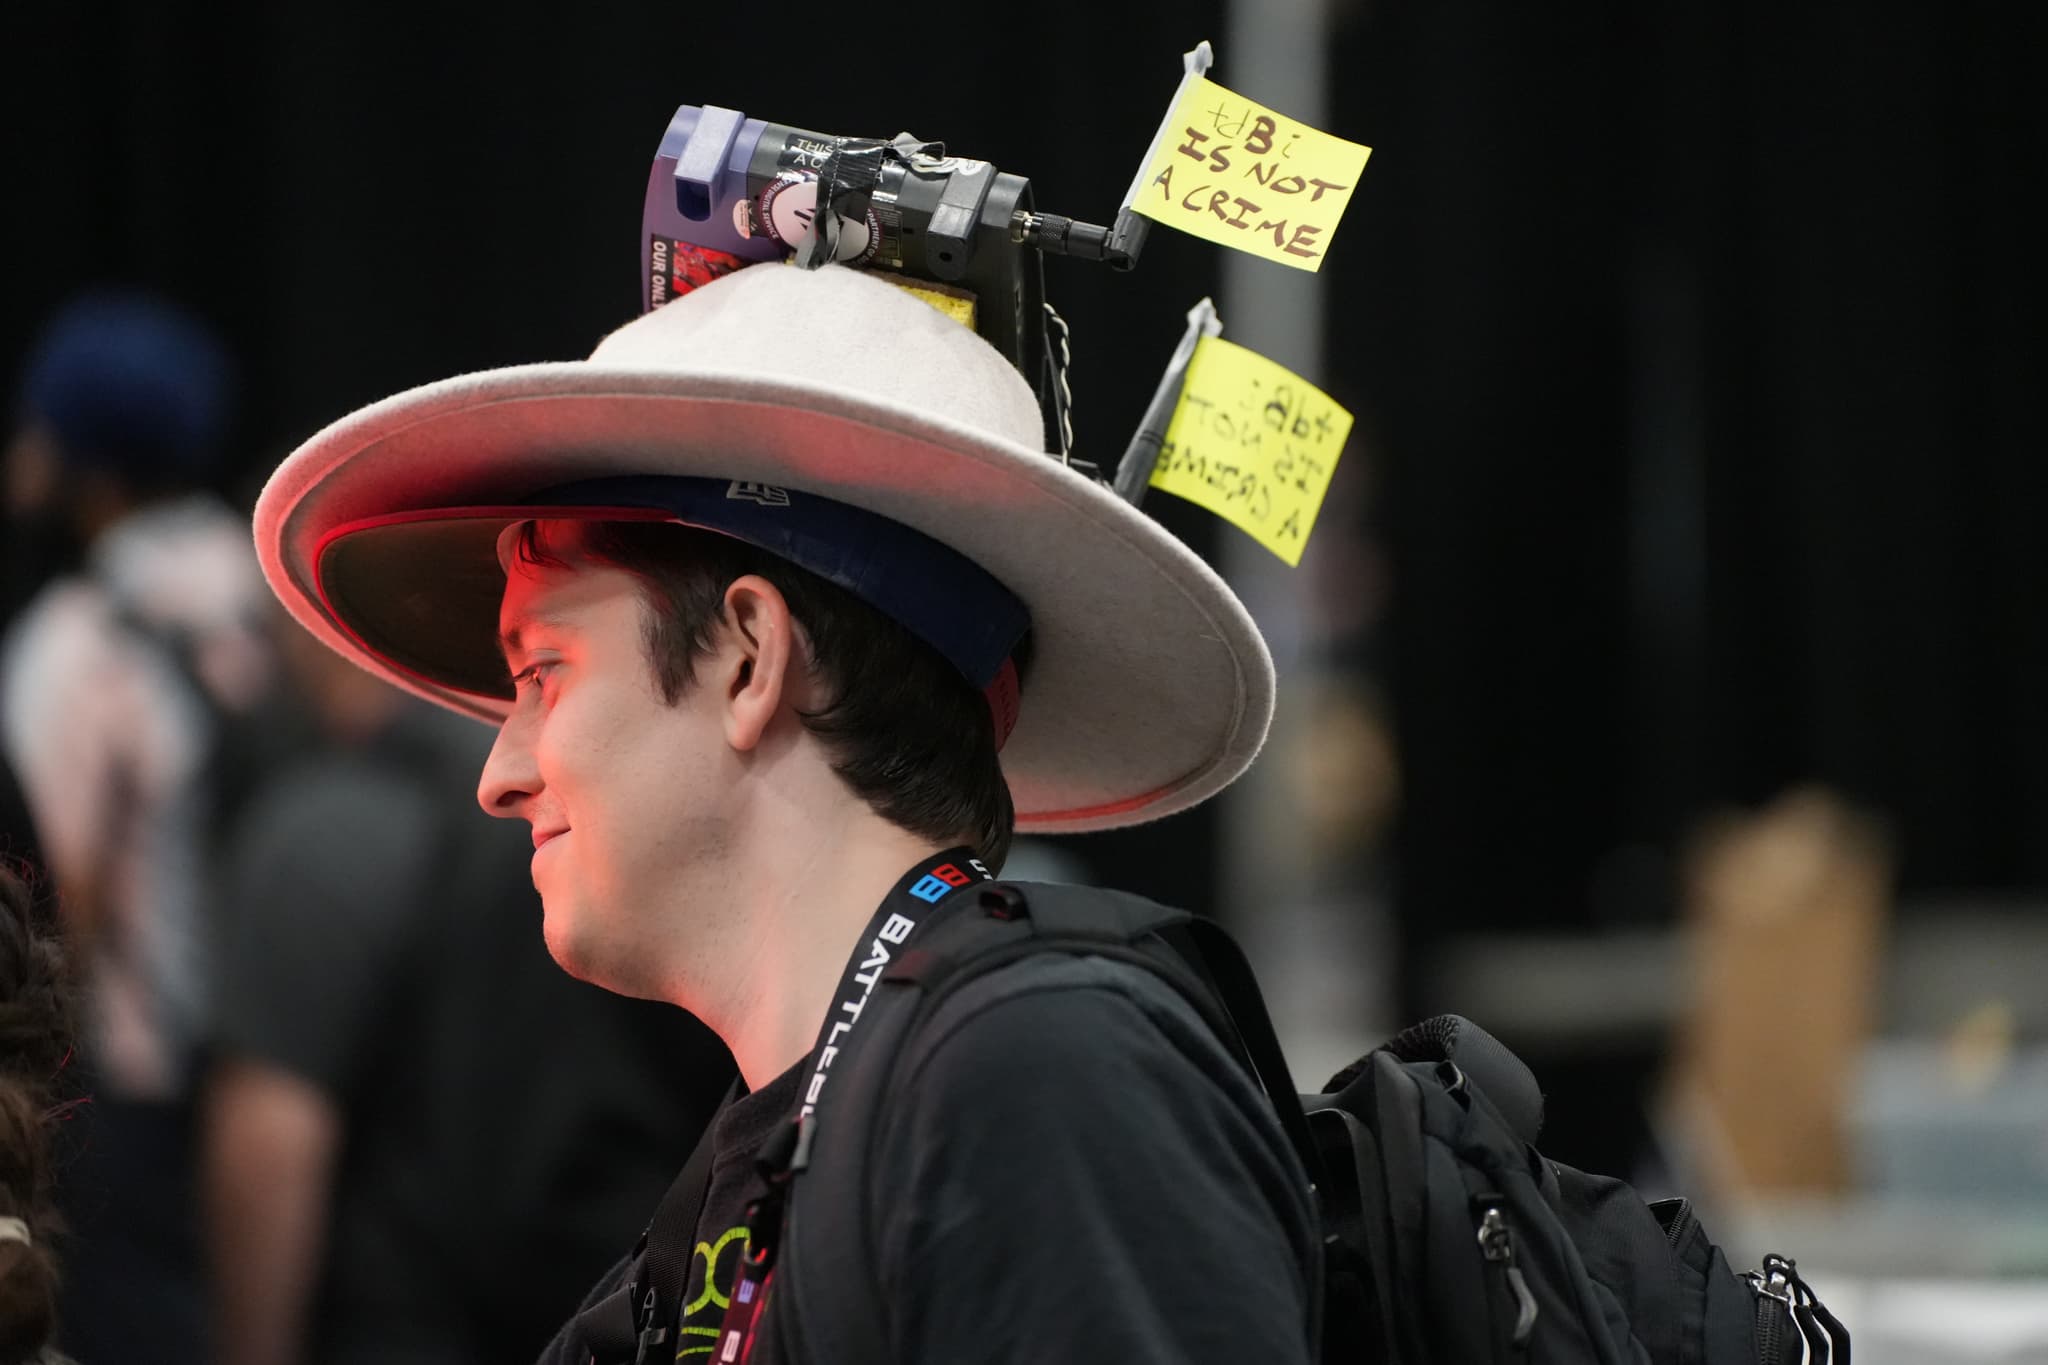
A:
[510,777]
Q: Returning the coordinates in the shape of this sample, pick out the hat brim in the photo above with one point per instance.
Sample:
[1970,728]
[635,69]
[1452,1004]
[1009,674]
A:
[1150,687]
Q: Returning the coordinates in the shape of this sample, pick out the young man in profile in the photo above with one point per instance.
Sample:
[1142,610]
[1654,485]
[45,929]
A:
[783,615]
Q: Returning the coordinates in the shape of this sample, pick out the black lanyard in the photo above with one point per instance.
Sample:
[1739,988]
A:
[904,910]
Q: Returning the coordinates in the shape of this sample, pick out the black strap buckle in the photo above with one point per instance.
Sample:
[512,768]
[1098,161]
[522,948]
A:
[653,1332]
[787,1151]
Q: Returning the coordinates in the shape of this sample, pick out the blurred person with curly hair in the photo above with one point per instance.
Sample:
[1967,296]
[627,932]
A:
[35,1043]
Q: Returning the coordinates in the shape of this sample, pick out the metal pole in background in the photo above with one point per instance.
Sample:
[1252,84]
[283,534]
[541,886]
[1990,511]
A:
[1315,952]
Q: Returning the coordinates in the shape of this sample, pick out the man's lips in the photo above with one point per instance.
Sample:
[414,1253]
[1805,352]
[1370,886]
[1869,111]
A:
[541,836]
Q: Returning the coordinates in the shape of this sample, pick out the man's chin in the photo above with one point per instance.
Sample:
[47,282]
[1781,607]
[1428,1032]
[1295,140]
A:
[570,950]
[585,957]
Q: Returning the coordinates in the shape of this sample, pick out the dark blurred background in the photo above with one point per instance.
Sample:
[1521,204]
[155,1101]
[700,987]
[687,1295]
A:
[1704,348]
[1696,349]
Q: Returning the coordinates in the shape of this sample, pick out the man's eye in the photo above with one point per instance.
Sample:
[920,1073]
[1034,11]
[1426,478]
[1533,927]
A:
[532,673]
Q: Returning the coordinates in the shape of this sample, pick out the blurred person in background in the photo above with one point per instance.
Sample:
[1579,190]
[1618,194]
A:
[19,846]
[35,1039]
[423,1140]
[134,651]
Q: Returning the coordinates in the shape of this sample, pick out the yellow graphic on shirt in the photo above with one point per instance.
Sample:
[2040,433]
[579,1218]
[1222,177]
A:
[711,1301]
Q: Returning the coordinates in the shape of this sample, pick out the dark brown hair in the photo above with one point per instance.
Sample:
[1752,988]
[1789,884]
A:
[906,732]
[35,1041]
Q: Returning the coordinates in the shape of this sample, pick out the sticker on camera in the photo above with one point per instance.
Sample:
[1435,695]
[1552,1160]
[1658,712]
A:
[679,267]
[787,211]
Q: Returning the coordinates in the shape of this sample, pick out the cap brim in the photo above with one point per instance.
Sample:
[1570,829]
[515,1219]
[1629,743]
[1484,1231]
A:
[420,591]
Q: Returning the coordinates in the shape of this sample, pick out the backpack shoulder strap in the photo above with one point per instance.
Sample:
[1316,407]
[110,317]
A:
[1195,957]
[1231,977]
[828,1228]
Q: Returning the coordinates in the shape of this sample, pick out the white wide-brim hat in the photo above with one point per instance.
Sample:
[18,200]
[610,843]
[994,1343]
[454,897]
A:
[1149,687]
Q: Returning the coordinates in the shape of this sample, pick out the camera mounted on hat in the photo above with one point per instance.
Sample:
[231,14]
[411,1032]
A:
[728,191]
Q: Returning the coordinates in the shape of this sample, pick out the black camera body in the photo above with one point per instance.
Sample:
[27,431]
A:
[727,191]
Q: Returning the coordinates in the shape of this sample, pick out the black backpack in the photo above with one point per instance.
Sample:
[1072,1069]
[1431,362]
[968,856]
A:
[242,748]
[1450,1238]
[1447,1237]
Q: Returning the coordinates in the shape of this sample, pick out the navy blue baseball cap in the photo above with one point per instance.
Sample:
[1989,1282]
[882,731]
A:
[369,572]
[130,383]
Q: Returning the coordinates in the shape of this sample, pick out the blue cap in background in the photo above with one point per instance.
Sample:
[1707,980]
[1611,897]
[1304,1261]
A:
[129,383]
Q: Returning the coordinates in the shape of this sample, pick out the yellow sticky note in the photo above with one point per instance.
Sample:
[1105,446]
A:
[1235,172]
[1254,443]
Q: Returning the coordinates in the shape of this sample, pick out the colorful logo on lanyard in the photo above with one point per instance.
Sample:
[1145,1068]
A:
[937,882]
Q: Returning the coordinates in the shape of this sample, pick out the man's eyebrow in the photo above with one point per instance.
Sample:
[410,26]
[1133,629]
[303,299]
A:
[511,638]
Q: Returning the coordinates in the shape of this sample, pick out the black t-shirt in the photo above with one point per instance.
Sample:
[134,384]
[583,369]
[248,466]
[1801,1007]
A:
[1076,1171]
[736,1135]
[721,1238]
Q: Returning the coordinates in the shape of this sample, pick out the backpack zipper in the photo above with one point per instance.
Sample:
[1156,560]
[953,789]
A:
[1683,1220]
[1774,1302]
[1497,1245]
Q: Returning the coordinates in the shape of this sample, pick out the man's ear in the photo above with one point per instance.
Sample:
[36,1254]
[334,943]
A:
[768,669]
